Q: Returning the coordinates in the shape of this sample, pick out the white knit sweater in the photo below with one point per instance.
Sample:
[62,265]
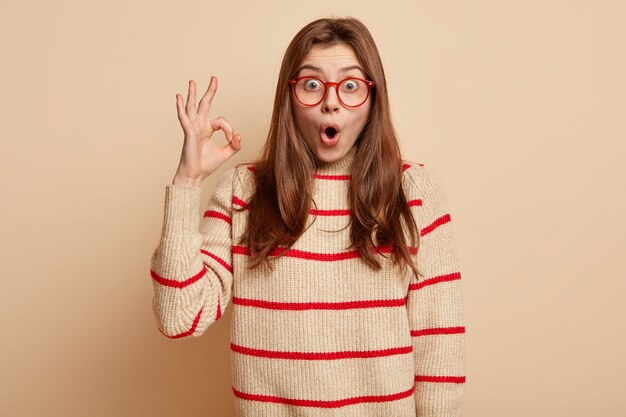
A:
[323,334]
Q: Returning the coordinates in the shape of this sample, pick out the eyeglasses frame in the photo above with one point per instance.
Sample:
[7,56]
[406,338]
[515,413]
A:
[369,84]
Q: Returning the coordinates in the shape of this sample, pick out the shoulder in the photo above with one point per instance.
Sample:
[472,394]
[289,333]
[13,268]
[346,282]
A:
[419,179]
[236,178]
[243,177]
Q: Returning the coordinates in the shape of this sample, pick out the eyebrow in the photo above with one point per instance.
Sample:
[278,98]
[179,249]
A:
[318,69]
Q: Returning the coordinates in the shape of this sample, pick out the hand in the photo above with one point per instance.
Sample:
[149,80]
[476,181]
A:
[200,155]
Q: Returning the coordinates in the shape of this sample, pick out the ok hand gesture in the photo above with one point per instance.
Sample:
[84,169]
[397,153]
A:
[200,155]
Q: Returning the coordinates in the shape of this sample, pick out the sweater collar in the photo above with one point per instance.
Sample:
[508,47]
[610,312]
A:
[341,166]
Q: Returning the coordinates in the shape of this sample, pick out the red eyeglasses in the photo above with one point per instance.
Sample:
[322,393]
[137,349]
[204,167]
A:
[352,92]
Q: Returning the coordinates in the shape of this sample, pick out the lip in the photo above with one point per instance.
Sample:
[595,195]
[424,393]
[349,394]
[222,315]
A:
[328,141]
[326,125]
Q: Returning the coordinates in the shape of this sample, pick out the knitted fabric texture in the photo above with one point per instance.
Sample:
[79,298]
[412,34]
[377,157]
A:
[324,333]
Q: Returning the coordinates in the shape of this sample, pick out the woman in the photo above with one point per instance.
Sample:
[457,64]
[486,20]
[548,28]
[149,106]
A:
[337,255]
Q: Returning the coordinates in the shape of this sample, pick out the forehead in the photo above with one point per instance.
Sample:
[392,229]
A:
[331,59]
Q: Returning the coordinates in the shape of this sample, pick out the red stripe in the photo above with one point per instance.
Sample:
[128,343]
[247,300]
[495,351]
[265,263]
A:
[218,259]
[325,403]
[177,284]
[318,256]
[188,332]
[330,212]
[435,280]
[334,177]
[438,330]
[324,305]
[295,253]
[441,220]
[218,314]
[318,212]
[347,212]
[217,215]
[434,378]
[240,250]
[407,166]
[316,175]
[239,201]
[251,168]
[318,356]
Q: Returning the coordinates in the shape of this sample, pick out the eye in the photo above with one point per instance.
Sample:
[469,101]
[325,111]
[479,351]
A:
[311,84]
[350,85]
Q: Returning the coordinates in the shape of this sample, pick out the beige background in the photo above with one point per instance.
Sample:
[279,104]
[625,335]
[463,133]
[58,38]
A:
[518,105]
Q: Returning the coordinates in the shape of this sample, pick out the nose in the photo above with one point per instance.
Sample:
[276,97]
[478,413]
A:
[331,101]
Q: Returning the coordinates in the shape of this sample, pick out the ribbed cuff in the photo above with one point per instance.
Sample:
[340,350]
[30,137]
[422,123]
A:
[181,215]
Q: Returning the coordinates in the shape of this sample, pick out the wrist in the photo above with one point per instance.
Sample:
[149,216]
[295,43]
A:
[183,180]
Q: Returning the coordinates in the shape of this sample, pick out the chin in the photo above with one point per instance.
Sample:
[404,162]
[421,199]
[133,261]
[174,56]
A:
[329,155]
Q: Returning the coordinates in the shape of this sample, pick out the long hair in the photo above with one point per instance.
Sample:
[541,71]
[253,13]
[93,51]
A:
[279,206]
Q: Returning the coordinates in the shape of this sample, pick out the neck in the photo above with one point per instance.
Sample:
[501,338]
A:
[340,166]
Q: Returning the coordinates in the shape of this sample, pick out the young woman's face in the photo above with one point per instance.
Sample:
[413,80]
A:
[330,63]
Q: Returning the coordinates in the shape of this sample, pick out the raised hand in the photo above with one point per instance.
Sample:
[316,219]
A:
[201,156]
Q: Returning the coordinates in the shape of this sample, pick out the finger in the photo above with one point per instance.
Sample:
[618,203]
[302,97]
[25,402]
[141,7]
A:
[207,99]
[235,144]
[232,147]
[182,116]
[221,123]
[191,100]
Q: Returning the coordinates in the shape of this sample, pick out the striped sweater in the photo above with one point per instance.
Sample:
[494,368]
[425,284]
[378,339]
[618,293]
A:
[323,334]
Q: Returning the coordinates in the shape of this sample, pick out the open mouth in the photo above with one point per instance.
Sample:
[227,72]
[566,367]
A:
[330,132]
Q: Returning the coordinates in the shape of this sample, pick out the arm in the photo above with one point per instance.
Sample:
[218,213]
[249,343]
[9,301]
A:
[191,268]
[435,304]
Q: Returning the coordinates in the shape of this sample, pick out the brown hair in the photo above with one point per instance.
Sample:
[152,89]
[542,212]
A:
[279,207]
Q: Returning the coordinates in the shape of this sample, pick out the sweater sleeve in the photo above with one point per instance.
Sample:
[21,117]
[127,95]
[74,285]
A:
[435,302]
[191,268]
